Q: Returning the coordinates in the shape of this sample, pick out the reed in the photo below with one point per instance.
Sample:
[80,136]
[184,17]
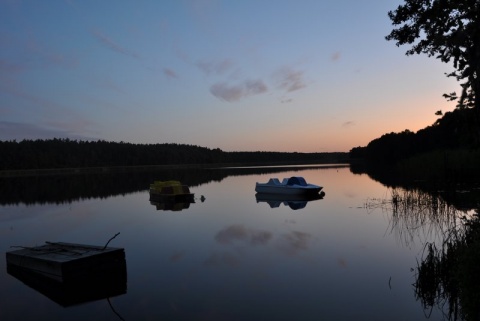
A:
[418,215]
[448,277]
[448,273]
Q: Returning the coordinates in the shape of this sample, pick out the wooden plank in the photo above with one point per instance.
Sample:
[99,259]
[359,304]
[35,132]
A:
[66,261]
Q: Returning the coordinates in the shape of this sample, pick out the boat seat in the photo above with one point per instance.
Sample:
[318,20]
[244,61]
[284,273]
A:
[274,181]
[295,180]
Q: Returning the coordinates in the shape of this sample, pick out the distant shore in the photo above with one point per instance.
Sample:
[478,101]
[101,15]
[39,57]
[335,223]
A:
[122,169]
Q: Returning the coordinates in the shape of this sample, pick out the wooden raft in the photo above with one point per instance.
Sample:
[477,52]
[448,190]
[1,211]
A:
[67,262]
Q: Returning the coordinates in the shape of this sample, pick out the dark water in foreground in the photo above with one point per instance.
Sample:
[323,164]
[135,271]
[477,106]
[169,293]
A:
[229,257]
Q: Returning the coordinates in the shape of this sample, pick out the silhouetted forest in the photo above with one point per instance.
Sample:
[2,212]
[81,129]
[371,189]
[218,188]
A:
[447,151]
[66,153]
[455,130]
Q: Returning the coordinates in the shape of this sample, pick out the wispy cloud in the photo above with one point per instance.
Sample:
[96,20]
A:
[289,79]
[45,55]
[42,105]
[33,53]
[223,259]
[227,92]
[72,125]
[236,235]
[46,113]
[20,131]
[336,56]
[255,87]
[342,263]
[233,93]
[8,78]
[112,44]
[71,4]
[239,233]
[169,73]
[10,67]
[294,242]
[177,256]
[348,124]
[104,81]
[211,67]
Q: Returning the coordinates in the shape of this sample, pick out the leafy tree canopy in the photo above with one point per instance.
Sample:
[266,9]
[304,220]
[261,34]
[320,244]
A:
[448,30]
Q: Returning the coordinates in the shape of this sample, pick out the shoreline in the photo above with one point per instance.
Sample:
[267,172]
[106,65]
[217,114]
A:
[122,169]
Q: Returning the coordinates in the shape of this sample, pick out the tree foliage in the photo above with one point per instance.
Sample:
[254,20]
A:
[66,153]
[448,30]
[452,131]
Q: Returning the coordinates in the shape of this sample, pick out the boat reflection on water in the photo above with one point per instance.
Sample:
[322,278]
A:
[169,205]
[170,196]
[295,202]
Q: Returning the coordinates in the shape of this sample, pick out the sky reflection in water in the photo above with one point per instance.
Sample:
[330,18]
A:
[229,257]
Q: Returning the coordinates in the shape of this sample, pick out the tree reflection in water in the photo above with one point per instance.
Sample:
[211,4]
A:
[448,274]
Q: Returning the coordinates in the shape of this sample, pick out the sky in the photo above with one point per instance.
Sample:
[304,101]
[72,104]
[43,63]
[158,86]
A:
[250,75]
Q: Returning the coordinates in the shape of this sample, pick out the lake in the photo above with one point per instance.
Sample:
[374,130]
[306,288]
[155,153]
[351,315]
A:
[229,257]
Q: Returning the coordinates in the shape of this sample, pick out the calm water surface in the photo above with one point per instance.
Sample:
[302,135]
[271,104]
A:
[231,257]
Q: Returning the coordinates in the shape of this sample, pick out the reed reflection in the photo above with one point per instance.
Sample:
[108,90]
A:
[447,276]
[418,215]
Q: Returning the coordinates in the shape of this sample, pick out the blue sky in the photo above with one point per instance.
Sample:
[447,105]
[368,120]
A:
[303,75]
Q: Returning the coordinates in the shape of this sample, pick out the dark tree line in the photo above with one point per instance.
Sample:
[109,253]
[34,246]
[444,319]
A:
[449,150]
[66,153]
[449,31]
[286,158]
[455,130]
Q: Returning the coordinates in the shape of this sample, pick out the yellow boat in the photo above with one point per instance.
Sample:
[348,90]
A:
[172,191]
